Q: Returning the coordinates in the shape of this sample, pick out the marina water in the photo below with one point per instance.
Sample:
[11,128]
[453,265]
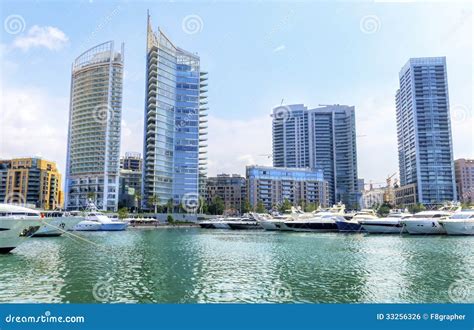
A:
[193,265]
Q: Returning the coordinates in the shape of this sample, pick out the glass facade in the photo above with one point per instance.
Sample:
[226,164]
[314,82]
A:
[92,169]
[175,121]
[424,130]
[322,138]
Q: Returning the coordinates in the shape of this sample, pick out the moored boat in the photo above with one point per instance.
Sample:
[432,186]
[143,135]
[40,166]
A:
[460,223]
[16,224]
[392,224]
[56,223]
[97,221]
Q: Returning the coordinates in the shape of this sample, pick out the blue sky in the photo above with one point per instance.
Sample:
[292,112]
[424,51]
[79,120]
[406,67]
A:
[256,53]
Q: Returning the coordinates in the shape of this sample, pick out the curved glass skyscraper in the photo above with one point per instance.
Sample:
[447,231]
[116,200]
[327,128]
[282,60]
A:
[174,149]
[92,169]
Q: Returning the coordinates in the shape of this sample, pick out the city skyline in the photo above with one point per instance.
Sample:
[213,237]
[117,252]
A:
[45,38]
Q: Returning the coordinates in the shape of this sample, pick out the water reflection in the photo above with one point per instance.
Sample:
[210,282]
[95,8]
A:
[195,265]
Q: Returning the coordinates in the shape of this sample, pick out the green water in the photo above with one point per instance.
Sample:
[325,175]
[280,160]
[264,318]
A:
[198,265]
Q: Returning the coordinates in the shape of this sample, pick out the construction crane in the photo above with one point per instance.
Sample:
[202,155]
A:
[389,195]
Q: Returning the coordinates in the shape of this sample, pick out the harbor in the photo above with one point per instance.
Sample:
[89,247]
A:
[194,265]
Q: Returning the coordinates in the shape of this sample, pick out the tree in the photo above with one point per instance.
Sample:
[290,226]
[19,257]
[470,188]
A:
[286,205]
[91,195]
[170,218]
[138,199]
[154,200]
[245,207]
[416,208]
[260,207]
[123,213]
[384,209]
[310,207]
[217,206]
[169,206]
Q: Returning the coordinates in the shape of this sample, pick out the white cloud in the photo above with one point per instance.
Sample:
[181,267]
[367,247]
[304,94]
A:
[49,37]
[279,48]
[33,123]
[233,144]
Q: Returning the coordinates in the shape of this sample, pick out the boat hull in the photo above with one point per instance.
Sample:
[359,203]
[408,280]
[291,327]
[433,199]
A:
[458,227]
[381,228]
[424,227]
[87,226]
[113,226]
[349,227]
[244,225]
[57,226]
[14,231]
[312,226]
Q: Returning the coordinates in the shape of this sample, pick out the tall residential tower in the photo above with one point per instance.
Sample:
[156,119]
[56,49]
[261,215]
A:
[174,145]
[321,138]
[93,151]
[425,152]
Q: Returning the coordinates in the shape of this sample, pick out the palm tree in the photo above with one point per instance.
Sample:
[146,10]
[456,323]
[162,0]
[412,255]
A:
[154,200]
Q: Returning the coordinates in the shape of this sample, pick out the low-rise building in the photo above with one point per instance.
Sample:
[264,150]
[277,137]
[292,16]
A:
[464,172]
[272,185]
[131,161]
[372,198]
[31,181]
[406,195]
[230,188]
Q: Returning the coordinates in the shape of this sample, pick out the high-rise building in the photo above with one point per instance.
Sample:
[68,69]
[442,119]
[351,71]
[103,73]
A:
[175,130]
[92,169]
[230,188]
[272,185]
[321,138]
[130,182]
[425,152]
[31,181]
[464,169]
[131,161]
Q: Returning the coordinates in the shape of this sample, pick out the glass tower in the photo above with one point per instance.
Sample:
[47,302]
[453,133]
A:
[175,122]
[93,151]
[425,152]
[322,138]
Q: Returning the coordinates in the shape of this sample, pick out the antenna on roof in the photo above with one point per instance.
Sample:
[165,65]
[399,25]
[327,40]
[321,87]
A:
[281,101]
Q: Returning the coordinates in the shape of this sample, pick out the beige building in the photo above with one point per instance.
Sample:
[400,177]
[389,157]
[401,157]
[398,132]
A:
[464,172]
[230,188]
[406,195]
[31,181]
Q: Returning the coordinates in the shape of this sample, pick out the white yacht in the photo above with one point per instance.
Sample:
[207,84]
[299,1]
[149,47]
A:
[273,222]
[247,221]
[460,223]
[219,223]
[351,222]
[56,223]
[98,221]
[16,224]
[321,220]
[427,222]
[392,224]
